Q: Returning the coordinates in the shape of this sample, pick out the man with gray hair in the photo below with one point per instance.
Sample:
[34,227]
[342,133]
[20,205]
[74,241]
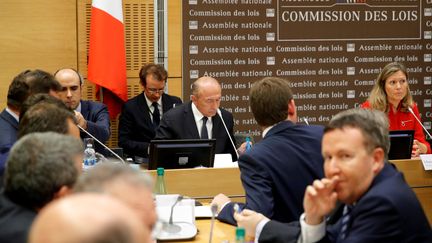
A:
[379,206]
[40,168]
[132,187]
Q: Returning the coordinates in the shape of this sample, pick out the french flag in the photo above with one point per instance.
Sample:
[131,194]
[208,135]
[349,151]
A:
[107,55]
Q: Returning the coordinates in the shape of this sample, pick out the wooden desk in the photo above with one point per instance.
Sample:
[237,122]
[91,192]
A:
[203,184]
[221,232]
[419,180]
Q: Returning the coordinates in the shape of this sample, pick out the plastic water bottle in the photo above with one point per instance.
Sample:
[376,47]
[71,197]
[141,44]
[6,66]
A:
[160,182]
[89,155]
[240,235]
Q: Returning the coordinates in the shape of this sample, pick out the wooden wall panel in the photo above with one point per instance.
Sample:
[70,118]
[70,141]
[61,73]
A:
[53,34]
[35,34]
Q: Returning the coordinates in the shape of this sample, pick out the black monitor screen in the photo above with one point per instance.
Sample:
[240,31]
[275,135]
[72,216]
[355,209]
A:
[401,142]
[184,153]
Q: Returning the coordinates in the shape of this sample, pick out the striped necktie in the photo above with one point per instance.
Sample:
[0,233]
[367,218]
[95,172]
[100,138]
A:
[346,217]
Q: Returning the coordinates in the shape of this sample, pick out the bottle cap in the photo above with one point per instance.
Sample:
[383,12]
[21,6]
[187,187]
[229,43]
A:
[160,171]
[240,232]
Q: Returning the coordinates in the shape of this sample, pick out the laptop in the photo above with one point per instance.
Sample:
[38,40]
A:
[401,142]
[181,154]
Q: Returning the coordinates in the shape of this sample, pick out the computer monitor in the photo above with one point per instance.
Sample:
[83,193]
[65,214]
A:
[179,154]
[401,142]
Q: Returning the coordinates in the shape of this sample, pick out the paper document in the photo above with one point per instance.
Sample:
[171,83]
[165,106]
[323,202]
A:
[203,212]
[427,161]
[223,161]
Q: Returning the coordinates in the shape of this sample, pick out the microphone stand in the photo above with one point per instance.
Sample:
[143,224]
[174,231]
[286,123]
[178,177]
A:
[418,120]
[229,135]
[103,145]
[170,227]
[213,211]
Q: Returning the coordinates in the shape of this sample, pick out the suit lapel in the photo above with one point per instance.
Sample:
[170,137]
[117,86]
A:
[191,127]
[84,109]
[10,119]
[217,125]
[142,105]
[166,105]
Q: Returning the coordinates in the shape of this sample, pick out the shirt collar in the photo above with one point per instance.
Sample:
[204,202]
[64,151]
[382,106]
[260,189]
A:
[13,114]
[78,107]
[150,103]
[266,130]
[197,114]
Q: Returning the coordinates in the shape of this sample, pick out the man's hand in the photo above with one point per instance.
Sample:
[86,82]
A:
[249,220]
[220,200]
[80,120]
[242,149]
[320,198]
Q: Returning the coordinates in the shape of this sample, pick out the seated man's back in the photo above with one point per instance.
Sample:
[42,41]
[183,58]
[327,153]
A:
[277,170]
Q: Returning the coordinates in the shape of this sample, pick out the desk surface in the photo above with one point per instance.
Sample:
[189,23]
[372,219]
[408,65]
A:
[203,184]
[221,232]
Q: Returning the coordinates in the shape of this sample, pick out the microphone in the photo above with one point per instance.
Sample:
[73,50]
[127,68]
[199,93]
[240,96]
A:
[170,227]
[103,145]
[305,120]
[226,129]
[418,120]
[213,208]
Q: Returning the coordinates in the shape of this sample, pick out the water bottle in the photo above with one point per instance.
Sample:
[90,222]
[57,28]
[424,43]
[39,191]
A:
[160,182]
[89,155]
[240,235]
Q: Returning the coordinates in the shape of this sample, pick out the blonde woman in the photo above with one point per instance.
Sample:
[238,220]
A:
[391,94]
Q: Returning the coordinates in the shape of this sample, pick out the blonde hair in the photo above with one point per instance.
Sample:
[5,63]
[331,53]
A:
[378,95]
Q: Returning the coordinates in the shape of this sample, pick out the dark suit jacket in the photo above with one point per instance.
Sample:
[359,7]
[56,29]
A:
[98,122]
[135,124]
[179,123]
[8,131]
[388,212]
[15,221]
[277,170]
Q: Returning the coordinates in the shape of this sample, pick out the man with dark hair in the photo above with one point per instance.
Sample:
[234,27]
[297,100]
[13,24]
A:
[199,118]
[141,115]
[41,98]
[277,170]
[88,218]
[134,188]
[40,168]
[378,205]
[9,118]
[40,81]
[90,115]
[45,116]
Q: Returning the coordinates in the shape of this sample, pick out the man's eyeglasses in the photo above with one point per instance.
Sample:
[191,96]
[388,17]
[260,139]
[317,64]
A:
[154,91]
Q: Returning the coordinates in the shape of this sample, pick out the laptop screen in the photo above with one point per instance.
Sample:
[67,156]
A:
[401,142]
[184,153]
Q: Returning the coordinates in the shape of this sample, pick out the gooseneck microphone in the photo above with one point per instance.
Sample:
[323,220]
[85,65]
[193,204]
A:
[103,145]
[229,135]
[213,208]
[170,227]
[418,120]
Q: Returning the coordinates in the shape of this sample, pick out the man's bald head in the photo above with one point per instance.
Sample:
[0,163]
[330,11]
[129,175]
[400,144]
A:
[88,218]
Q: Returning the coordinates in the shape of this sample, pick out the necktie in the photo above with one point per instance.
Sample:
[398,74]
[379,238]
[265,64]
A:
[156,114]
[204,133]
[346,216]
